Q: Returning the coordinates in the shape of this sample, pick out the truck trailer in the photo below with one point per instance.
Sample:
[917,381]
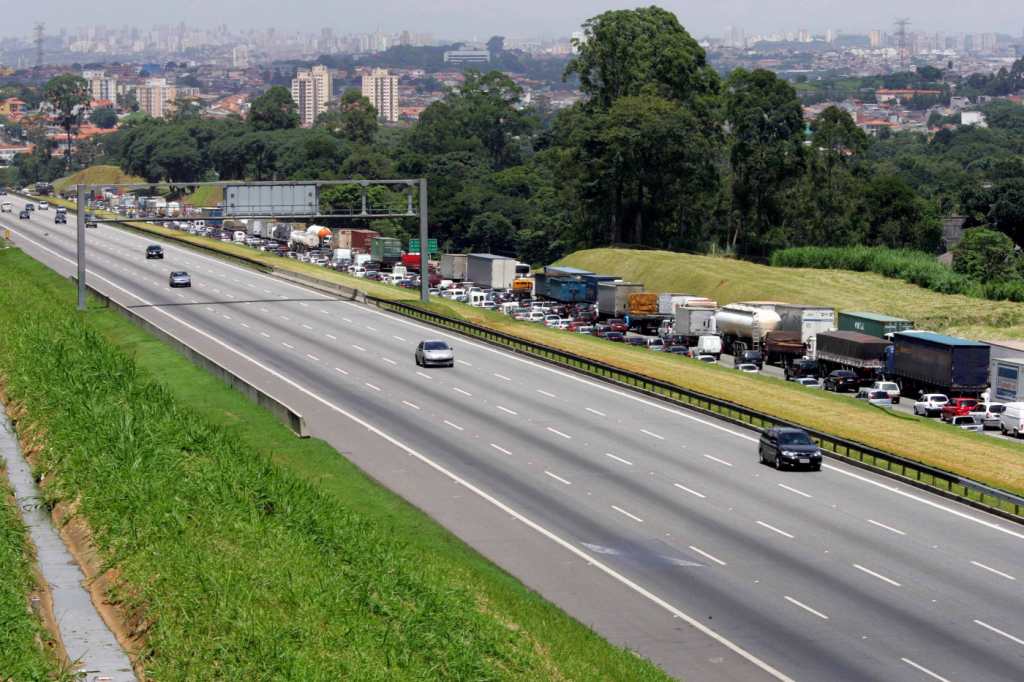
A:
[860,353]
[613,298]
[782,348]
[743,327]
[694,323]
[1006,375]
[927,362]
[805,320]
[453,266]
[873,324]
[490,271]
[385,250]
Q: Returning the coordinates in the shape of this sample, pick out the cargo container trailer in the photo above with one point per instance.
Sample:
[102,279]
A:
[489,271]
[854,351]
[926,362]
[385,250]
[871,323]
[453,266]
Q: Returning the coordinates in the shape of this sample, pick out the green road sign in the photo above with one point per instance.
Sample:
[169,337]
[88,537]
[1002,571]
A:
[414,246]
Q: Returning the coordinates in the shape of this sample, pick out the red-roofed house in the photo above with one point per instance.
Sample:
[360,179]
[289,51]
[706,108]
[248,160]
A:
[13,106]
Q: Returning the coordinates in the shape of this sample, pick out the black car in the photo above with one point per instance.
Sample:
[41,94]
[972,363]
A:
[3,192]
[637,341]
[841,380]
[60,219]
[612,336]
[748,357]
[24,214]
[798,369]
[788,448]
[676,340]
[678,350]
[154,251]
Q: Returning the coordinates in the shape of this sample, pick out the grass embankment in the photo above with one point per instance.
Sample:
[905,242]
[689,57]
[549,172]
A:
[21,657]
[989,460]
[240,552]
[112,175]
[729,281]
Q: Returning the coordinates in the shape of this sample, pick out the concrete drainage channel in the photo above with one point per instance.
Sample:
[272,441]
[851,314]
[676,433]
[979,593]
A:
[85,637]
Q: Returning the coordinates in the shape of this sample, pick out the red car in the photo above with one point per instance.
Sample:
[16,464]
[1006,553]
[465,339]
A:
[618,325]
[434,279]
[957,407]
[575,326]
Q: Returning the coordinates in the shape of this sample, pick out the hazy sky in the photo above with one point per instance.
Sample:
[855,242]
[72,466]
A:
[483,18]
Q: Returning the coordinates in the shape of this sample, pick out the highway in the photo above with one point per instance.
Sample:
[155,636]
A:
[653,524]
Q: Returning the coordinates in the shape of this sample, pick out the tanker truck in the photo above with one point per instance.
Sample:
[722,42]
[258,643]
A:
[301,239]
[744,327]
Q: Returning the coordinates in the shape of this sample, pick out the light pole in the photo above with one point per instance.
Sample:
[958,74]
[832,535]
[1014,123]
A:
[424,255]
[81,246]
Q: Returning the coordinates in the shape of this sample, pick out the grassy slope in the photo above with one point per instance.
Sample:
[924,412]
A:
[993,461]
[729,281]
[96,175]
[501,630]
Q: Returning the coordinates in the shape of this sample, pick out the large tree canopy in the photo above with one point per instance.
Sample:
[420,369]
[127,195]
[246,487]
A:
[274,110]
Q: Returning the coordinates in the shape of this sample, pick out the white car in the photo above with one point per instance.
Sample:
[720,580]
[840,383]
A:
[890,387]
[749,369]
[552,320]
[987,414]
[930,405]
[708,359]
[562,324]
[809,382]
[44,205]
[6,207]
[535,316]
[967,423]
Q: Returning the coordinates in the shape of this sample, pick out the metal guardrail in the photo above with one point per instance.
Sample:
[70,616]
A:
[947,483]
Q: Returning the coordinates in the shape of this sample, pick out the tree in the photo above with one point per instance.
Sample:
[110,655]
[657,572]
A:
[70,96]
[103,117]
[274,110]
[496,45]
[899,218]
[836,138]
[355,119]
[984,255]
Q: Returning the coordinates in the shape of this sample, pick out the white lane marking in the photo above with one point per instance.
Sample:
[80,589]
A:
[300,302]
[372,386]
[550,395]
[454,426]
[397,337]
[807,608]
[331,337]
[988,568]
[500,449]
[882,525]
[559,433]
[692,492]
[793,490]
[623,511]
[923,669]
[600,414]
[505,409]
[312,357]
[389,360]
[705,554]
[780,532]
[265,334]
[341,370]
[286,345]
[461,391]
[427,376]
[358,347]
[561,542]
[284,318]
[209,308]
[346,319]
[624,461]
[463,362]
[501,377]
[557,478]
[720,461]
[652,434]
[245,325]
[225,317]
[307,326]
[1000,632]
[324,311]
[264,310]
[877,575]
[415,407]
[371,329]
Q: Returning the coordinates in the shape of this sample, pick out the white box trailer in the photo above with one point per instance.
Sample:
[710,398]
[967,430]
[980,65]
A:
[1005,377]
[807,320]
[613,297]
[487,270]
[695,322]
[453,266]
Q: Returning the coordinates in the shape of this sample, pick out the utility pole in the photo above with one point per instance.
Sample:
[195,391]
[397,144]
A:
[901,33]
[40,33]
[424,245]
[81,246]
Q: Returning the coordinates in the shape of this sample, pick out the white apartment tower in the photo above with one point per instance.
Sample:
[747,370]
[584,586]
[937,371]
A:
[311,90]
[831,35]
[876,37]
[101,85]
[382,91]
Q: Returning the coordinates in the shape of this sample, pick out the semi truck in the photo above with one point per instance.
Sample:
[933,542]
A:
[592,281]
[860,353]
[805,320]
[386,251]
[487,270]
[926,362]
[1005,375]
[453,266]
[668,303]
[613,298]
[783,347]
[566,289]
[694,323]
[743,327]
[873,324]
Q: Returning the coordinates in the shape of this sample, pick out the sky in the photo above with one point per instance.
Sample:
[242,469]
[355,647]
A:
[524,18]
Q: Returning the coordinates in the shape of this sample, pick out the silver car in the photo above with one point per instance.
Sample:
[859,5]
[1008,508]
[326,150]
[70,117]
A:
[967,423]
[810,382]
[434,353]
[180,278]
[987,414]
[876,397]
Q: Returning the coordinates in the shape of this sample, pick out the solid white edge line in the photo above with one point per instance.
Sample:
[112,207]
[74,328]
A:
[877,575]
[882,525]
[989,568]
[706,555]
[692,492]
[505,409]
[500,449]
[807,608]
[415,407]
[371,386]
[793,490]
[624,461]
[557,478]
[1000,632]
[923,669]
[780,532]
[623,511]
[559,433]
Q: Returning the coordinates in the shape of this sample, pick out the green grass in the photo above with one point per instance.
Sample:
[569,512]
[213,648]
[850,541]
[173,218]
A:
[247,553]
[96,175]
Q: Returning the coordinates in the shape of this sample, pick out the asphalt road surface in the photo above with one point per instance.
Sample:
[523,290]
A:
[656,526]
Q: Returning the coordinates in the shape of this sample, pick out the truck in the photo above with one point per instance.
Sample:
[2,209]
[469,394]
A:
[642,316]
[805,320]
[694,323]
[282,231]
[1005,375]
[862,354]
[490,271]
[873,324]
[453,266]
[300,240]
[613,298]
[592,281]
[926,362]
[566,289]
[357,240]
[743,327]
[411,261]
[385,250]
[667,303]
[565,271]
[782,347]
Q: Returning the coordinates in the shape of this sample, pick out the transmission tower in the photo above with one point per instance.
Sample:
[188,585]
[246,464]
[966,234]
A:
[901,36]
[40,32]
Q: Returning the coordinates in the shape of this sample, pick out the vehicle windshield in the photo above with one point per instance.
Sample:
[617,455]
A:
[748,367]
[878,395]
[435,345]
[938,399]
[969,403]
[888,386]
[179,273]
[794,438]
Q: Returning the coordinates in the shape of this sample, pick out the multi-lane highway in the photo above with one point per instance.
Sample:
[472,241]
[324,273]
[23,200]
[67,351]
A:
[655,525]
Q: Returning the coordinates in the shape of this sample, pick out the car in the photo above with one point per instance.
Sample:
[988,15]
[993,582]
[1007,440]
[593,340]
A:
[967,423]
[787,447]
[618,325]
[637,341]
[180,278]
[678,350]
[551,320]
[930,405]
[154,251]
[44,206]
[535,316]
[809,382]
[562,324]
[434,352]
[24,214]
[675,339]
[601,328]
[576,325]
[841,380]
[582,330]
[3,192]
[30,207]
[710,359]
[6,207]
[748,368]
[957,407]
[60,219]
[752,357]
[987,414]
[62,209]
[655,344]
[609,335]
[801,369]
[873,396]
[890,387]
[91,223]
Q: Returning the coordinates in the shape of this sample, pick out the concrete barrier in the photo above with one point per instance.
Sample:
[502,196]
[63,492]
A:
[289,417]
[326,286]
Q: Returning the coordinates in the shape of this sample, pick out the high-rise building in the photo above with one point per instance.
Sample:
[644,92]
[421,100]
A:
[977,40]
[406,38]
[803,36]
[960,42]
[831,35]
[580,37]
[734,37]
[156,97]
[100,85]
[311,90]
[876,37]
[940,41]
[382,91]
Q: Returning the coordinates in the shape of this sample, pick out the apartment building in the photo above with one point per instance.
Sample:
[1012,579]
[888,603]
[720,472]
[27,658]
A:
[156,97]
[311,90]
[101,85]
[382,91]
